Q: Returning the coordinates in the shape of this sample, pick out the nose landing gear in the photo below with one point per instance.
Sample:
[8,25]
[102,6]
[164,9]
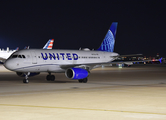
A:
[25,80]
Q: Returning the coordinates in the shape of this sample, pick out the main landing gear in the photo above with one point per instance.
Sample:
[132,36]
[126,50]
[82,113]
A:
[50,77]
[85,80]
[25,80]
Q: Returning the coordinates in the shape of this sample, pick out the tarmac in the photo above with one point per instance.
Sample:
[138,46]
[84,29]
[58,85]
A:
[112,93]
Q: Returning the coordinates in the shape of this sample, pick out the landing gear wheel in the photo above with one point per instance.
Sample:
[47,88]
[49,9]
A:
[80,80]
[83,80]
[50,77]
[25,81]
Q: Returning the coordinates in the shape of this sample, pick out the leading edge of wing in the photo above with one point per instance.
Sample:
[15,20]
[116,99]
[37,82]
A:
[92,65]
[1,58]
[128,55]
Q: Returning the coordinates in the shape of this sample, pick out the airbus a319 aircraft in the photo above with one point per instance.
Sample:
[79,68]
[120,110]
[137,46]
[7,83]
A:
[76,64]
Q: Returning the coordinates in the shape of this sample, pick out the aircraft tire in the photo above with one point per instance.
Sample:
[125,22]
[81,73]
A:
[85,80]
[48,78]
[52,77]
[25,81]
[80,80]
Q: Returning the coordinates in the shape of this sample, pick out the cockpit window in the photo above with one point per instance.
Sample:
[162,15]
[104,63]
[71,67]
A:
[14,56]
[23,56]
[19,56]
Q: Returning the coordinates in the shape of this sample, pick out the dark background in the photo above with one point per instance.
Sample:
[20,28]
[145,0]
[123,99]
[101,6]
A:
[81,23]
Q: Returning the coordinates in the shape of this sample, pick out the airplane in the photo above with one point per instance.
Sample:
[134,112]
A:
[4,55]
[76,64]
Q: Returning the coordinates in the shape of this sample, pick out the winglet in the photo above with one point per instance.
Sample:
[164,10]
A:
[109,40]
[49,44]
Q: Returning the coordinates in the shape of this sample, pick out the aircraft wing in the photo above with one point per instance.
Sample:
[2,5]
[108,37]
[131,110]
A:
[87,66]
[129,55]
[2,60]
[119,56]
[115,62]
[90,66]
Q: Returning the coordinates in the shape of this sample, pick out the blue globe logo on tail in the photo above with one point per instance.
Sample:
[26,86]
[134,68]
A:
[109,40]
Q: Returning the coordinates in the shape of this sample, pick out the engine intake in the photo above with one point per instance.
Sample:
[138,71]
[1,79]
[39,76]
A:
[76,73]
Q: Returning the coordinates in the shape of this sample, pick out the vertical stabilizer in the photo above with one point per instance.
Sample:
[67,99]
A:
[49,44]
[17,48]
[109,40]
[26,47]
[7,49]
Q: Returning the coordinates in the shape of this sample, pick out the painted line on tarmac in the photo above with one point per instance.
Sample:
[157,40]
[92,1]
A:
[34,106]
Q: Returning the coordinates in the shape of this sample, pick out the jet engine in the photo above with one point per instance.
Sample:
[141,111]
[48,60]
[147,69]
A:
[76,73]
[21,74]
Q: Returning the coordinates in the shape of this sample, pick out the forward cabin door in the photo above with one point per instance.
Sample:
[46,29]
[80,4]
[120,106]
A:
[34,57]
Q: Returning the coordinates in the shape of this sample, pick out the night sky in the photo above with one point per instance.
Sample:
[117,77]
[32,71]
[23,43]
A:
[81,23]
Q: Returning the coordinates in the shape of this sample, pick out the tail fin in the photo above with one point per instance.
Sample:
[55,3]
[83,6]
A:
[26,47]
[17,48]
[109,40]
[49,44]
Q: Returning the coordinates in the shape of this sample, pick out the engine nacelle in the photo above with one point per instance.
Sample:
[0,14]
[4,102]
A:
[76,73]
[21,74]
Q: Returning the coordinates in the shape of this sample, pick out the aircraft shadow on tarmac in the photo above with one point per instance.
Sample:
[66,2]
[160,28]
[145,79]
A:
[41,79]
[36,79]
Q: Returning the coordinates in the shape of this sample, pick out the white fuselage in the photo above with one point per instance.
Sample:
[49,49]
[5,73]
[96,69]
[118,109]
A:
[40,60]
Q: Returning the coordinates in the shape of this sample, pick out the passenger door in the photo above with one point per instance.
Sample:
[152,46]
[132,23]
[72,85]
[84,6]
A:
[34,57]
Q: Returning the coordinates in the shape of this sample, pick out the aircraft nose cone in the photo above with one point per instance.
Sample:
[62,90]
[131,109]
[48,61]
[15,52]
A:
[8,65]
